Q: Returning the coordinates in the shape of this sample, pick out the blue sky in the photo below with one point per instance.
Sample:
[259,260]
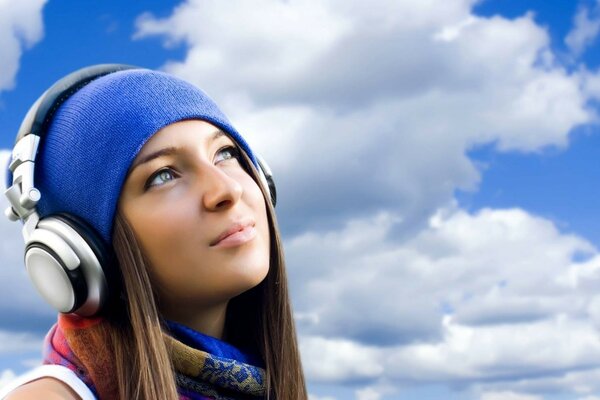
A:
[442,240]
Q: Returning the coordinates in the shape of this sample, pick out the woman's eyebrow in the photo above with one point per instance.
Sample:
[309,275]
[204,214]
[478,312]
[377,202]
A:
[167,151]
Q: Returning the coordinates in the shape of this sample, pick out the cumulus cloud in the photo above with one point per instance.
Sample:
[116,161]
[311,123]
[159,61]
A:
[314,397]
[586,25]
[6,377]
[474,279]
[580,384]
[333,360]
[501,352]
[11,342]
[368,394]
[489,268]
[21,26]
[508,396]
[384,100]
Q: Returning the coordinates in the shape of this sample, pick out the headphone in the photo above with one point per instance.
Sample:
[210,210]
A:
[69,264]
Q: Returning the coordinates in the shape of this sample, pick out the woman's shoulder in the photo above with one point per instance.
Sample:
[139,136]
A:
[48,382]
[44,388]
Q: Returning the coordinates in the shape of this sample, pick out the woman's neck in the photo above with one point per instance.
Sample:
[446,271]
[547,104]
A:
[209,320]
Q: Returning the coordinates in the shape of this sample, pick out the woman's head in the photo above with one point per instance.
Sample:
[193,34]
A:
[94,134]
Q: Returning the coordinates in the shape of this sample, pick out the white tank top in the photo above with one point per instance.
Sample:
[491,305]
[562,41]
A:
[59,372]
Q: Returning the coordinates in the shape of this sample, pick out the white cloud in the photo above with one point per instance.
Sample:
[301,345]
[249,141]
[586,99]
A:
[501,352]
[509,396]
[495,296]
[494,267]
[21,26]
[386,97]
[338,359]
[585,30]
[6,377]
[368,394]
[32,363]
[314,397]
[375,392]
[580,383]
[11,342]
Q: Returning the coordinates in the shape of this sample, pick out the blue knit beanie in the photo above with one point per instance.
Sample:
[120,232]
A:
[96,134]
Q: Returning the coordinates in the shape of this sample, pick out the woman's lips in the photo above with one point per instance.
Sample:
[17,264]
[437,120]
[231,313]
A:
[237,238]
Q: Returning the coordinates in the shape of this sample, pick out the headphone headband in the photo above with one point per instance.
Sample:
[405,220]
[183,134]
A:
[42,111]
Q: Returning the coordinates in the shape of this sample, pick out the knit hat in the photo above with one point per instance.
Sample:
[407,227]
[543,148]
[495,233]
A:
[96,134]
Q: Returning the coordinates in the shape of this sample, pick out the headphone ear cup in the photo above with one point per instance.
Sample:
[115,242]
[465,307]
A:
[266,176]
[54,270]
[66,261]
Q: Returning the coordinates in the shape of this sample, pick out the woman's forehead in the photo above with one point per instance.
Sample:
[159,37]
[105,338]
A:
[193,132]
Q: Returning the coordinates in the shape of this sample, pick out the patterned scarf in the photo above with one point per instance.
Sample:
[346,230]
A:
[206,368]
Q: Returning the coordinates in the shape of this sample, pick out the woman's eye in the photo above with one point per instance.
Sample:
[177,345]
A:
[232,150]
[160,177]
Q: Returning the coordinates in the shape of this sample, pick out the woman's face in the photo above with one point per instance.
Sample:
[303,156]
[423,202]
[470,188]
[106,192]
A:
[186,188]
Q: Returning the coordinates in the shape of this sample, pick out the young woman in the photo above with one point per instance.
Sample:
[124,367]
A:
[191,298]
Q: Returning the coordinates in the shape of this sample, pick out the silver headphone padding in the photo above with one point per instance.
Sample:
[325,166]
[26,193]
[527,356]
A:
[50,279]
[90,267]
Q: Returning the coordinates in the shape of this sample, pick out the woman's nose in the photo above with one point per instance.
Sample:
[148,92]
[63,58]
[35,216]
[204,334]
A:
[219,190]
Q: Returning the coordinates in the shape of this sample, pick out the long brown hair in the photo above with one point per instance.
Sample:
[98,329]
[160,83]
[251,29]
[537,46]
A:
[261,317]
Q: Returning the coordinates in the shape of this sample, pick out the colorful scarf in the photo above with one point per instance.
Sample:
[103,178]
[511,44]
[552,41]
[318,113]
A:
[205,367]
